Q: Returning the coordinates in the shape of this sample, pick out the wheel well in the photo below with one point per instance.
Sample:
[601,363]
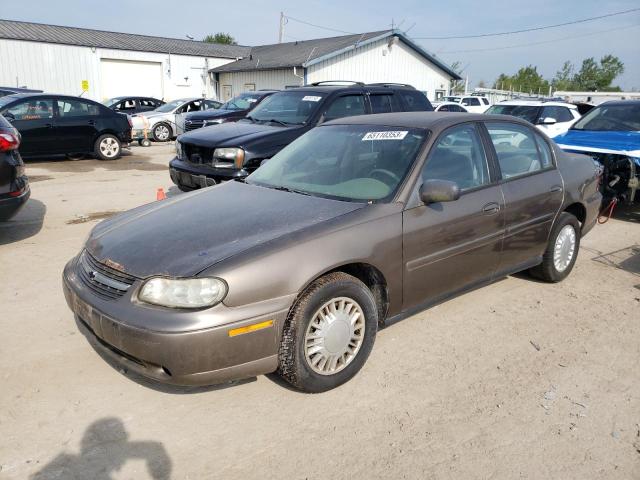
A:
[578,211]
[373,279]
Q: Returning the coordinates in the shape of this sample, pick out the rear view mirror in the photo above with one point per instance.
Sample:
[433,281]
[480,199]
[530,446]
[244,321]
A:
[548,121]
[434,191]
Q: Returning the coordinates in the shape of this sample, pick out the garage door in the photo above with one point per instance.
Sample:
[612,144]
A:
[126,78]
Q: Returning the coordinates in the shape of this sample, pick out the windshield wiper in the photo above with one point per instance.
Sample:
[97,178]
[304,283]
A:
[250,118]
[290,190]
[280,122]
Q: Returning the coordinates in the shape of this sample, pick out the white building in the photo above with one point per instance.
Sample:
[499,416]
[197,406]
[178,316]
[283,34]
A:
[385,56]
[109,64]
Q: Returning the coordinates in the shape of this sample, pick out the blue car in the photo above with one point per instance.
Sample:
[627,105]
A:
[610,133]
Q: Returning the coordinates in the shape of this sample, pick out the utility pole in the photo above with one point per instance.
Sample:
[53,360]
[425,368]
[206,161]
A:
[282,22]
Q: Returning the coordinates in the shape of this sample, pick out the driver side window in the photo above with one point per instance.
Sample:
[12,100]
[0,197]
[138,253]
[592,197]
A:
[458,156]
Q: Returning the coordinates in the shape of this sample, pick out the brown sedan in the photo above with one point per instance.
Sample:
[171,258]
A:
[359,222]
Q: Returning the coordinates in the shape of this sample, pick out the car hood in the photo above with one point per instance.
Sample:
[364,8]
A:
[236,134]
[184,235]
[625,143]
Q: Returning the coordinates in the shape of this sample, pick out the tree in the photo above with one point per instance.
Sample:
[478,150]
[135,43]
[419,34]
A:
[593,76]
[527,79]
[482,84]
[220,37]
[457,86]
[564,77]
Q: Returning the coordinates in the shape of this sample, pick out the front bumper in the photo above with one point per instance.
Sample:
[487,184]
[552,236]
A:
[202,356]
[9,206]
[197,176]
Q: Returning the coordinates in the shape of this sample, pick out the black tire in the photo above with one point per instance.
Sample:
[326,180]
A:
[184,188]
[293,365]
[158,132]
[547,270]
[111,153]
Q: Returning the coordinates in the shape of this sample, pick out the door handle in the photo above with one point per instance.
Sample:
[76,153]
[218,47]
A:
[556,188]
[490,209]
[48,125]
[91,122]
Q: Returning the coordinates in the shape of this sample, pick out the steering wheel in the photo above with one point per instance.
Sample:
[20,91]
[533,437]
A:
[381,172]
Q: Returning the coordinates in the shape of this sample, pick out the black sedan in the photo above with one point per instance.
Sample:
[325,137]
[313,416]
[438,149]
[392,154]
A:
[14,186]
[60,124]
[233,110]
[131,105]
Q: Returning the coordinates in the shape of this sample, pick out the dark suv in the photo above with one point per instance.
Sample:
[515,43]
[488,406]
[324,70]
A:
[208,156]
[231,111]
[14,186]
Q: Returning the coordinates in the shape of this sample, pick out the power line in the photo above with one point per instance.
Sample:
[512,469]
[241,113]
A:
[320,26]
[534,29]
[540,43]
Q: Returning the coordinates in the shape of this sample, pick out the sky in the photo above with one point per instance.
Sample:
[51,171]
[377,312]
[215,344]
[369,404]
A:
[256,22]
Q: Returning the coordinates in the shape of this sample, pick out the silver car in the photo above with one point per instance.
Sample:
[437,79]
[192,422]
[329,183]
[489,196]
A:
[167,121]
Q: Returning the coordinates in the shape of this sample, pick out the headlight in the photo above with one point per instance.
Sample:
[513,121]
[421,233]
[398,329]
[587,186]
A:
[213,122]
[183,293]
[235,155]
[178,149]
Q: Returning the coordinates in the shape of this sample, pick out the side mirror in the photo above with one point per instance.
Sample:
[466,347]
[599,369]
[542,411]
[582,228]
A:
[434,191]
[548,121]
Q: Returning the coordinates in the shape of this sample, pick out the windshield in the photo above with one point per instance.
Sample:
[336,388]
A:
[529,113]
[169,107]
[242,102]
[357,163]
[621,118]
[289,108]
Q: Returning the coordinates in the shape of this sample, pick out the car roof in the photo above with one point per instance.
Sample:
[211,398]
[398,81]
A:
[426,120]
[20,96]
[537,103]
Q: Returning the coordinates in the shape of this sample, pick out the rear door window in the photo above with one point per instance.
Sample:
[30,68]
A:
[415,101]
[76,108]
[345,106]
[517,149]
[472,102]
[381,103]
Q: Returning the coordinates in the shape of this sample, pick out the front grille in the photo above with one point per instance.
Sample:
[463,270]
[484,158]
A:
[193,124]
[198,155]
[104,281]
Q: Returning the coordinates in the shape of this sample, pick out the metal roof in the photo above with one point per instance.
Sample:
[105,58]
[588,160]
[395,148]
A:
[305,53]
[39,32]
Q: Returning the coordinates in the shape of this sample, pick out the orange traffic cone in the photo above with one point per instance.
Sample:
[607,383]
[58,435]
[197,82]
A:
[160,195]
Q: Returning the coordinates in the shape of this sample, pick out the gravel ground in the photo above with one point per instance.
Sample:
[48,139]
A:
[520,379]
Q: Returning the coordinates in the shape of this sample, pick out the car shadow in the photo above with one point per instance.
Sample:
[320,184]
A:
[104,449]
[628,213]
[27,222]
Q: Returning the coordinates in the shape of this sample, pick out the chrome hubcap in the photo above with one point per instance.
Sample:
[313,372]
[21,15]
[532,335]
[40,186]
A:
[564,248]
[109,147]
[162,132]
[334,336]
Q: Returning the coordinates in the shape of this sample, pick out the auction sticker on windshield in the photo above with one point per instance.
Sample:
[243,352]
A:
[390,135]
[311,98]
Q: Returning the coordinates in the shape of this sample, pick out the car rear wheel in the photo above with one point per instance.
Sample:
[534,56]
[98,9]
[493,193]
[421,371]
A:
[562,251]
[162,132]
[107,147]
[329,333]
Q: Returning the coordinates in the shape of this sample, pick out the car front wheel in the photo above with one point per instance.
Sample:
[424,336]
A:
[107,147]
[562,250]
[329,333]
[162,132]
